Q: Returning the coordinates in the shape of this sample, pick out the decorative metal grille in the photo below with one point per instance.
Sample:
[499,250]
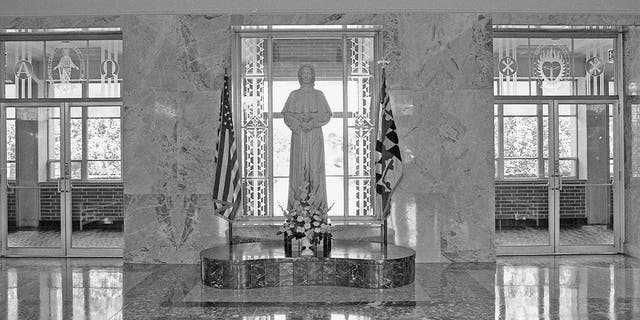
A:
[360,127]
[254,127]
[256,197]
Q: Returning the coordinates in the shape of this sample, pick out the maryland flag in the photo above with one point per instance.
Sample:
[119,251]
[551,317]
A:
[388,158]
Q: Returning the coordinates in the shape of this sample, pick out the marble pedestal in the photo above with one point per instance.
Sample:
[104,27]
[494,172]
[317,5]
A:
[349,264]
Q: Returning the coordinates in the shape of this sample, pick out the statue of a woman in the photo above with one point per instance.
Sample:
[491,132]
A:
[305,112]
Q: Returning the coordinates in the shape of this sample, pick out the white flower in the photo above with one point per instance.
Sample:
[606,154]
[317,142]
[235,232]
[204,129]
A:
[300,229]
[300,218]
[307,226]
[316,223]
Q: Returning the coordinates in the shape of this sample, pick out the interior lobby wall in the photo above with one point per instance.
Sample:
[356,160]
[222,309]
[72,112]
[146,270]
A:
[440,85]
[440,82]
[632,140]
[440,79]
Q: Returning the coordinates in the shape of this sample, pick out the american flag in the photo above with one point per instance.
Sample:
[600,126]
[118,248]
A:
[226,187]
[389,160]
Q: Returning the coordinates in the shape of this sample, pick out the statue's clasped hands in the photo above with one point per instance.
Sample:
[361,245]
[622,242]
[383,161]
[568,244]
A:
[307,125]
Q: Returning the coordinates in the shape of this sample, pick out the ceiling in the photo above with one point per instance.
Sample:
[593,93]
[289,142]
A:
[108,7]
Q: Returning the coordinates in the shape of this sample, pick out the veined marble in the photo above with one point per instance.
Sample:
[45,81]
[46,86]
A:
[632,140]
[173,65]
[443,77]
[578,19]
[440,82]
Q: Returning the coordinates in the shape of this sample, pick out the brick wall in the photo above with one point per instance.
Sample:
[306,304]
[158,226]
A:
[528,200]
[90,202]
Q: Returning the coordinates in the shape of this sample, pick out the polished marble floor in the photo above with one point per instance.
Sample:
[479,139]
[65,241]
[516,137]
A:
[582,235]
[519,288]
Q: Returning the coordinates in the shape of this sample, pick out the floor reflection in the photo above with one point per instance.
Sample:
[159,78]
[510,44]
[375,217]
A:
[605,287]
[49,289]
[576,287]
[331,316]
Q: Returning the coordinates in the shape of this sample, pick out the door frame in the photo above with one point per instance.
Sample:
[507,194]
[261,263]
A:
[553,181]
[70,250]
[4,227]
[64,185]
[618,153]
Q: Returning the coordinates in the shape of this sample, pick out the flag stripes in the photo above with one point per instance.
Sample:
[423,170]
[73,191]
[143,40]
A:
[226,186]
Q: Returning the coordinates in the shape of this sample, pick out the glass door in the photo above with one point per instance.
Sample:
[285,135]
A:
[96,205]
[585,176]
[63,193]
[524,203]
[556,177]
[34,188]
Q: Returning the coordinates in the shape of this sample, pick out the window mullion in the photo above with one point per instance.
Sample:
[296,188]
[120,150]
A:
[501,141]
[540,139]
[3,63]
[269,150]
[345,128]
[84,174]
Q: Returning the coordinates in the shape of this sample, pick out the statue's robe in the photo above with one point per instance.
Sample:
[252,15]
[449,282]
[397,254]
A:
[307,148]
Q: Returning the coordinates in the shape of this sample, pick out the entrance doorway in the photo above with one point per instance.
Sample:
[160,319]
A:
[558,176]
[62,191]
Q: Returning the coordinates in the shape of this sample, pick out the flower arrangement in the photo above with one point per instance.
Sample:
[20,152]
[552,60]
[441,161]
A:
[306,220]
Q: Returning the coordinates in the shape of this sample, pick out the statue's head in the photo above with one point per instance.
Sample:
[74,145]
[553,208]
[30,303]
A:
[306,74]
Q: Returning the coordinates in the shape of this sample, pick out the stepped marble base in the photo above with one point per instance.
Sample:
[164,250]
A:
[349,264]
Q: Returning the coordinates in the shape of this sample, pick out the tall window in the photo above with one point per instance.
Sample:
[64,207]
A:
[344,61]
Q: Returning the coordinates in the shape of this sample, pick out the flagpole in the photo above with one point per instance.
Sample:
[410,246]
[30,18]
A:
[229,224]
[382,63]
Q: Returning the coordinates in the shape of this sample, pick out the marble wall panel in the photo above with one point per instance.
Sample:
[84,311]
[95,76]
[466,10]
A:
[632,140]
[441,89]
[578,19]
[170,126]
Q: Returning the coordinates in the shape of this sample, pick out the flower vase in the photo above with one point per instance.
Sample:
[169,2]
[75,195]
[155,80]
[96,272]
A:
[326,244]
[288,247]
[306,245]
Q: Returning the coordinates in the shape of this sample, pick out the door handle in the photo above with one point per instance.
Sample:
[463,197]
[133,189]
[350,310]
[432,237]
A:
[64,185]
[560,182]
